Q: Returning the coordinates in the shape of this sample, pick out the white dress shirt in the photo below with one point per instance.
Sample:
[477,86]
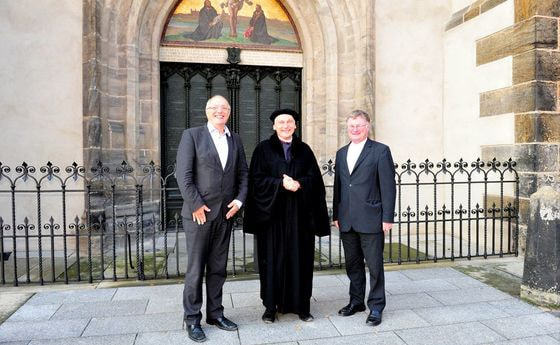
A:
[221,144]
[354,151]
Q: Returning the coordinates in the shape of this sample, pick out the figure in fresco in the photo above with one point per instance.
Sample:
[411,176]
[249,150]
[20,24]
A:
[257,31]
[209,25]
[234,6]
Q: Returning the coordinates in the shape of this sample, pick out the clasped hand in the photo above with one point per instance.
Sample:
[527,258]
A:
[199,216]
[289,183]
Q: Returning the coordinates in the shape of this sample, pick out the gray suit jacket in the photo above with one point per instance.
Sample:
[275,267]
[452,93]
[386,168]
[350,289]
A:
[200,176]
[366,198]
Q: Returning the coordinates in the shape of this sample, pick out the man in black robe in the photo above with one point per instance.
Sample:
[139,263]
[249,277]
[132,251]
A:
[258,29]
[208,25]
[285,209]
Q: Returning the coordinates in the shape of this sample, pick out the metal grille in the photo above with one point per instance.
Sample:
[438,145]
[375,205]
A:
[109,222]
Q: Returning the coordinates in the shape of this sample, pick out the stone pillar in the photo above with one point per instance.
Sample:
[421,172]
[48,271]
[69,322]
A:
[533,98]
[541,277]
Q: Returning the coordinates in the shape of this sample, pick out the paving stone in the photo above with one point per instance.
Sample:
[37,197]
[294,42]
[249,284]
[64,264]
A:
[331,293]
[175,304]
[525,326]
[247,299]
[395,276]
[419,286]
[432,273]
[127,339]
[464,296]
[465,282]
[245,315]
[383,338]
[343,278]
[392,320]
[100,309]
[410,301]
[72,296]
[541,340]
[326,281]
[458,334]
[13,298]
[16,343]
[515,307]
[34,312]
[14,331]
[134,324]
[556,336]
[242,286]
[286,331]
[149,292]
[213,335]
[459,313]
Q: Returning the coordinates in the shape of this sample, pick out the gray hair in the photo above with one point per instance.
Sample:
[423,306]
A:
[215,97]
[358,113]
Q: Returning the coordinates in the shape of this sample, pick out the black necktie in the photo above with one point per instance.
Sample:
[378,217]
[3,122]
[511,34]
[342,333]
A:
[287,151]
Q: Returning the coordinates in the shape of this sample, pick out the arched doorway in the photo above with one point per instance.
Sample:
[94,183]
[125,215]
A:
[253,90]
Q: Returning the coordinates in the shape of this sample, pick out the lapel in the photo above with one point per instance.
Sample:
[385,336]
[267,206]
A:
[365,151]
[229,162]
[344,163]
[213,149]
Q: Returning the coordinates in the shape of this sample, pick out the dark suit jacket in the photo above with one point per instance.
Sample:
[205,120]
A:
[200,176]
[365,198]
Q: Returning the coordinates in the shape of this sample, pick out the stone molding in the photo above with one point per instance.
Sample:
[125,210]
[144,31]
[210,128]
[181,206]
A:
[472,11]
[121,52]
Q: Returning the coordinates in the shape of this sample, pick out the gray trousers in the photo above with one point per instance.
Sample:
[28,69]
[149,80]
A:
[207,249]
[357,247]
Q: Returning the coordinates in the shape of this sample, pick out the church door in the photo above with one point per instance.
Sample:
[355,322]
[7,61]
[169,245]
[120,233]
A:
[254,92]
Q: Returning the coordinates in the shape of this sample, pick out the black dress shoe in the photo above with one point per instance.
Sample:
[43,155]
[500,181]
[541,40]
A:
[351,309]
[223,323]
[269,316]
[196,333]
[374,318]
[306,317]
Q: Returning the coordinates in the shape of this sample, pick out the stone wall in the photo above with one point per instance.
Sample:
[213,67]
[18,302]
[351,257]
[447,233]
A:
[121,73]
[532,43]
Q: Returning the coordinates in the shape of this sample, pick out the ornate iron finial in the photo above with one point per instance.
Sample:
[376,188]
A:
[234,55]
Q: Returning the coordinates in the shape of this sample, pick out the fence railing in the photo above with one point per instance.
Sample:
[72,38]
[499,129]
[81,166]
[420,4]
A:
[78,224]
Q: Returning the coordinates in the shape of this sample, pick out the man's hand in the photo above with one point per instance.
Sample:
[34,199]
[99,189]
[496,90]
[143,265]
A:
[335,222]
[199,216]
[289,183]
[387,227]
[233,208]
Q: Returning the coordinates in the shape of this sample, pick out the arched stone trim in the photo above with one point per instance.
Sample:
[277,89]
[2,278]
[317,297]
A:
[121,73]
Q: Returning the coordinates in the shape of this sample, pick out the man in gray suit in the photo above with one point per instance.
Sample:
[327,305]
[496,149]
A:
[363,211]
[212,175]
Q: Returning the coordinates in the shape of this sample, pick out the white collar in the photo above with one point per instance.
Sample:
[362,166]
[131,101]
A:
[213,129]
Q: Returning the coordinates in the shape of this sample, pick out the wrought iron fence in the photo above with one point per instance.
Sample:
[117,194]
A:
[111,222]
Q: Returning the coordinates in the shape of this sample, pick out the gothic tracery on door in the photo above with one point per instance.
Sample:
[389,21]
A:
[253,92]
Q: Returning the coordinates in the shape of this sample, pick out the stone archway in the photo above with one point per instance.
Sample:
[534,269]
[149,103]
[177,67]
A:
[121,73]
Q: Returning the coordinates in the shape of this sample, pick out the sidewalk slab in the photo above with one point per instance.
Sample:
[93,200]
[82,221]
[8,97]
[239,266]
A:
[435,305]
[127,339]
[525,326]
[14,331]
[458,334]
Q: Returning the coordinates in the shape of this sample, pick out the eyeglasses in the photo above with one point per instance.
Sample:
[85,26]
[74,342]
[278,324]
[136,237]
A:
[221,107]
[358,126]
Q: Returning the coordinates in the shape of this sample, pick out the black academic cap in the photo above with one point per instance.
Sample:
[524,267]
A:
[278,112]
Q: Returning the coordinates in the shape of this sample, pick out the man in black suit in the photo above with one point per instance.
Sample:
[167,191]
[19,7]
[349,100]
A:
[363,211]
[212,175]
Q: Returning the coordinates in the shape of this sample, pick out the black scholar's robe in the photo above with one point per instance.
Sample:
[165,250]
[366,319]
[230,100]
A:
[285,223]
[260,31]
[205,30]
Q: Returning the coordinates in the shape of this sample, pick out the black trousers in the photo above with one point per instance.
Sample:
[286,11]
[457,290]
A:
[207,249]
[357,247]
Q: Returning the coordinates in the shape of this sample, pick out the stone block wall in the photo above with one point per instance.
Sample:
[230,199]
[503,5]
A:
[533,44]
